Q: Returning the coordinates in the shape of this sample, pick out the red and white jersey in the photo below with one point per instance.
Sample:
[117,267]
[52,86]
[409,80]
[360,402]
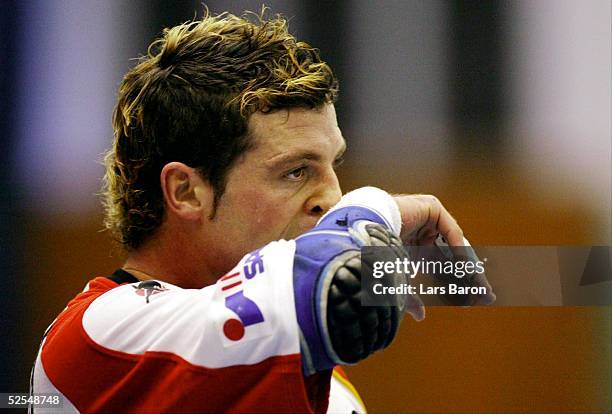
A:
[126,346]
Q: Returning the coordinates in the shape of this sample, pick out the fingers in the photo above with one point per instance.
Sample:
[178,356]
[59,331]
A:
[447,226]
[415,307]
[424,217]
[480,280]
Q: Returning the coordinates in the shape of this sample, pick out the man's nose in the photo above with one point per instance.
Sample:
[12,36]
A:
[325,197]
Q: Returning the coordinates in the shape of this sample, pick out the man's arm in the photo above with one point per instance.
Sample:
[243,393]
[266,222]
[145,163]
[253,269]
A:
[257,304]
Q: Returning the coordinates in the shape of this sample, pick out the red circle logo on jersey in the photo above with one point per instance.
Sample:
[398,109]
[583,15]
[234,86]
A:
[233,329]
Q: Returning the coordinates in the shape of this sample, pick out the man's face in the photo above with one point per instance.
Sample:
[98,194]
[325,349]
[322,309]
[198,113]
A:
[282,186]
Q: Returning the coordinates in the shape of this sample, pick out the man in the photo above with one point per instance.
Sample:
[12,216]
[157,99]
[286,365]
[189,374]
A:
[240,291]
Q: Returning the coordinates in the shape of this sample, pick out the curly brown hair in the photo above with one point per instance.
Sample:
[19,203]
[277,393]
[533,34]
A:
[189,100]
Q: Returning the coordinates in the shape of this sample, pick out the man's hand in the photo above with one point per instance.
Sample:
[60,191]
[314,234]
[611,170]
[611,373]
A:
[424,219]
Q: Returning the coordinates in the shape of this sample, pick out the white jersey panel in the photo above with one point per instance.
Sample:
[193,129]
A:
[244,318]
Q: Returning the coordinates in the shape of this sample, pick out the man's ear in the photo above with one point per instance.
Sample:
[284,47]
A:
[186,194]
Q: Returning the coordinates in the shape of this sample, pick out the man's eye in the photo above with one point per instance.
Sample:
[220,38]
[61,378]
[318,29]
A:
[296,174]
[338,162]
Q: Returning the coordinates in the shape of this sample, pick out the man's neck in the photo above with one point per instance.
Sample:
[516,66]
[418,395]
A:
[169,262]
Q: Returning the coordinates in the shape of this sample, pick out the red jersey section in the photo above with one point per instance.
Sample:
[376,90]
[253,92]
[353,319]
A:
[96,379]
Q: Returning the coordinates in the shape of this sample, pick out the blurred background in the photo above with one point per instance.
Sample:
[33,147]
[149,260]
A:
[500,108]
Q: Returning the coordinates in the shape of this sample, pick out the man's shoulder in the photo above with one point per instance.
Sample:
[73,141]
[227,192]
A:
[93,288]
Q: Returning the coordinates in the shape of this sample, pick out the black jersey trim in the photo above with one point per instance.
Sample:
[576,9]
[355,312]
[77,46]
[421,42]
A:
[121,276]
